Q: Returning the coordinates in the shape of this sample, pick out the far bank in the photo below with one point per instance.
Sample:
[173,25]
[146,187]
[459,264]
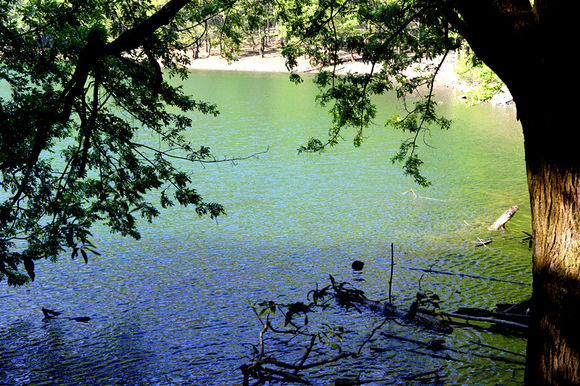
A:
[273,61]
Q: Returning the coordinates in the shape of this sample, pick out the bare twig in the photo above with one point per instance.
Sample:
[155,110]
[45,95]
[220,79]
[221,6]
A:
[391,276]
[482,243]
[373,332]
[501,322]
[307,353]
[429,270]
[311,365]
[496,348]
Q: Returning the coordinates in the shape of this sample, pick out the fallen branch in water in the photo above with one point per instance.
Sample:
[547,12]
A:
[422,375]
[429,270]
[50,314]
[477,342]
[522,307]
[320,344]
[412,193]
[446,357]
[438,345]
[500,322]
[522,318]
[311,365]
[429,345]
[265,367]
[503,219]
[350,297]
[482,243]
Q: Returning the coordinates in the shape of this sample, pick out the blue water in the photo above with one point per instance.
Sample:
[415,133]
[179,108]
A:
[173,307]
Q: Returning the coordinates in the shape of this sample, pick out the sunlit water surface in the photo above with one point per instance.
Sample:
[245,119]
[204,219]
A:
[173,307]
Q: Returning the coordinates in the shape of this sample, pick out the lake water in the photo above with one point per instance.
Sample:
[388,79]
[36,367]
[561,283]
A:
[173,307]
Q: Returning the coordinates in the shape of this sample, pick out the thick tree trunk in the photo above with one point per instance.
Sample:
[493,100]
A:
[554,183]
[527,48]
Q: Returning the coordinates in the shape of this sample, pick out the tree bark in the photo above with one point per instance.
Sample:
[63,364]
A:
[554,183]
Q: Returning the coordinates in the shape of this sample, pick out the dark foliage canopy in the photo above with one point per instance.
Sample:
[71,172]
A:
[88,77]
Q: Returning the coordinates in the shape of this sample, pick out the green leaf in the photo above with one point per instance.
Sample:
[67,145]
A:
[29,266]
[85,257]
[295,78]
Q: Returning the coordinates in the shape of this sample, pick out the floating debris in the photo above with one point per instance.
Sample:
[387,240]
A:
[357,265]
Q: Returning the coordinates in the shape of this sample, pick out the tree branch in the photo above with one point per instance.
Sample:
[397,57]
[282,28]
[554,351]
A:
[135,37]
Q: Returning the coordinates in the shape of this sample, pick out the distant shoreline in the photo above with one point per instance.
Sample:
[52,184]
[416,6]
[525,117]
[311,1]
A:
[274,62]
[271,62]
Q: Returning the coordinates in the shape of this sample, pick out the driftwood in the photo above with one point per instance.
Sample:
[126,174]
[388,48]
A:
[477,342]
[350,297]
[481,243]
[496,321]
[521,318]
[503,219]
[440,346]
[50,314]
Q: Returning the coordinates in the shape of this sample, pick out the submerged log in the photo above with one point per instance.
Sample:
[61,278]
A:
[503,219]
[50,314]
[498,322]
[440,346]
[351,297]
[522,307]
[521,318]
[479,343]
[481,242]
[429,270]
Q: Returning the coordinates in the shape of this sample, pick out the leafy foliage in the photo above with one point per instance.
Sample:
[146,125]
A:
[415,123]
[393,38]
[487,84]
[86,83]
[89,77]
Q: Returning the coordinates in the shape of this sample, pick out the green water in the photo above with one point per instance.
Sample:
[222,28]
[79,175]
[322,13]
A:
[172,307]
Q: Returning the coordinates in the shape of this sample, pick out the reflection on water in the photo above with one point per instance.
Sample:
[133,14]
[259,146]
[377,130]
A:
[172,308]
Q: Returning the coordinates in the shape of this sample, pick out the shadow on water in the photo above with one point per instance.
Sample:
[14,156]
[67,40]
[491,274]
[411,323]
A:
[67,352]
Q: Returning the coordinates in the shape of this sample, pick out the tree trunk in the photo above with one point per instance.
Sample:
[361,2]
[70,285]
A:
[196,50]
[207,39]
[527,48]
[554,183]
